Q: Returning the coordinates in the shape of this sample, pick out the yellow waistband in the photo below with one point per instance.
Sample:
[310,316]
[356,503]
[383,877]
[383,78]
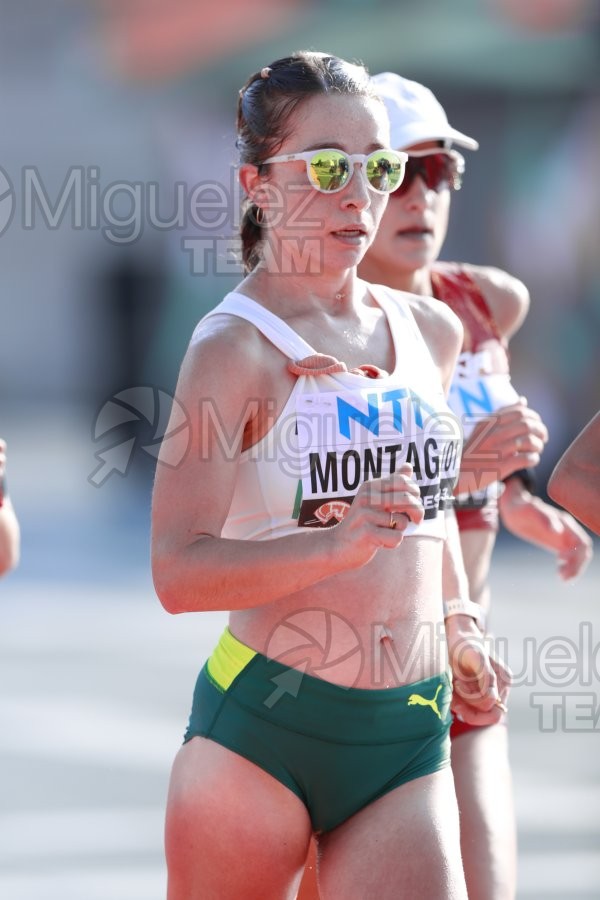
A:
[227,660]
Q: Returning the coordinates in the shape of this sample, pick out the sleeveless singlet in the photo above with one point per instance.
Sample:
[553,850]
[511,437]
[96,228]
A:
[481,383]
[339,430]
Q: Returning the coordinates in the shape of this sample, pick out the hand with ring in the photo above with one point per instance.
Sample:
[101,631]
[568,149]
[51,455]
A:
[373,521]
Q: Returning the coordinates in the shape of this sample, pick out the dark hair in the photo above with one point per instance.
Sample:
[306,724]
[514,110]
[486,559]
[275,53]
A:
[265,106]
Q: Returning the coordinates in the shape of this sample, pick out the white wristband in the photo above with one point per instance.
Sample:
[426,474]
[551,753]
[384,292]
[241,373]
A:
[461,607]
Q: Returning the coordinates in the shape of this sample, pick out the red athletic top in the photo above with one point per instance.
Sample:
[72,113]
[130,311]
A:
[455,287]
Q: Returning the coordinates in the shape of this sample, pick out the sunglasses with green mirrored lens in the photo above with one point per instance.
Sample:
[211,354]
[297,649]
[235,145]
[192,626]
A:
[330,170]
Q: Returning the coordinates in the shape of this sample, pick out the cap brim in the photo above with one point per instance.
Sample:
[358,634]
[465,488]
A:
[418,132]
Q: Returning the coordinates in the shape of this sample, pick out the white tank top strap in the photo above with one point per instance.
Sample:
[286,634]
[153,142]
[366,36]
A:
[400,317]
[274,329]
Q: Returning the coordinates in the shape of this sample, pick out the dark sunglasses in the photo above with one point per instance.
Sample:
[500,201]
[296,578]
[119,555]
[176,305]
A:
[439,169]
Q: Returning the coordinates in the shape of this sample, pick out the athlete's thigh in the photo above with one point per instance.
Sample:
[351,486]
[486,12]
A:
[232,830]
[483,783]
[309,887]
[403,846]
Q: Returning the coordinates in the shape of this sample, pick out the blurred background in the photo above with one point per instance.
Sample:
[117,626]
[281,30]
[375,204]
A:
[118,214]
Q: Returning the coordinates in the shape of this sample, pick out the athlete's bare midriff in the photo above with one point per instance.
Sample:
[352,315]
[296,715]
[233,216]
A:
[375,627]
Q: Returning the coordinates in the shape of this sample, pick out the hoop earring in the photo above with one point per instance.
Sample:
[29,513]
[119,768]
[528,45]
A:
[259,214]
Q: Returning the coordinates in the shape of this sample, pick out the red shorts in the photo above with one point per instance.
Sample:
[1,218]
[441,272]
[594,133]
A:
[457,728]
[481,518]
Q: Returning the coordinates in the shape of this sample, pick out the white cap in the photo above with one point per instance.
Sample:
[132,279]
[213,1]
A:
[414,113]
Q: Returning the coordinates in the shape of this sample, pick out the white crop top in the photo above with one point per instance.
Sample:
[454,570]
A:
[338,430]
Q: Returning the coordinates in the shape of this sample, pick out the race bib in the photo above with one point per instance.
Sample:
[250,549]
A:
[476,393]
[347,438]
